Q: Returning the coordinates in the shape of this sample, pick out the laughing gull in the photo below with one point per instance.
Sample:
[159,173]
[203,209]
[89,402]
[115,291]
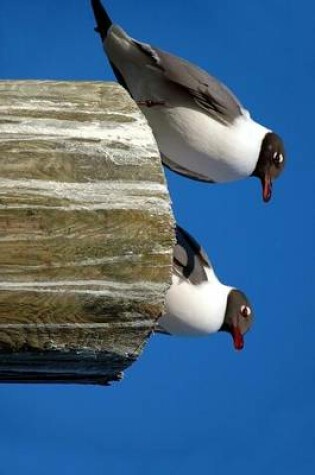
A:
[201,129]
[197,303]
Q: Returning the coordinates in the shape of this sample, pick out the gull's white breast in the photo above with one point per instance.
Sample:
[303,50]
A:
[193,140]
[195,310]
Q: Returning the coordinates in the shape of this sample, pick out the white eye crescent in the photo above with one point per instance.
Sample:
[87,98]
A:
[245,311]
[278,158]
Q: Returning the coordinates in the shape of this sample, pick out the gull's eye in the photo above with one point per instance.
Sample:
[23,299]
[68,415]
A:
[245,311]
[277,159]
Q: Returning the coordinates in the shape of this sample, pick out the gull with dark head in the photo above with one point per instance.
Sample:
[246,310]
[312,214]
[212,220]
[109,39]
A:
[197,303]
[201,128]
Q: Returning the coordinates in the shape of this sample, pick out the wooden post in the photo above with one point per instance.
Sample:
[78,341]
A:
[86,232]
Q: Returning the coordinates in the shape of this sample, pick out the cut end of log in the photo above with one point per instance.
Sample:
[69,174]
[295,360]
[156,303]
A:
[86,232]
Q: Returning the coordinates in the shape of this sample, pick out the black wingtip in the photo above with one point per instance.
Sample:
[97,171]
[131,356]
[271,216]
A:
[103,21]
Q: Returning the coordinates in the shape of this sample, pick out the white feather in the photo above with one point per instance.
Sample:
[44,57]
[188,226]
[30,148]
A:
[193,140]
[195,310]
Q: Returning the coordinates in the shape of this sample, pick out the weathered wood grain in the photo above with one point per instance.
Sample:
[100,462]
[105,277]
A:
[86,231]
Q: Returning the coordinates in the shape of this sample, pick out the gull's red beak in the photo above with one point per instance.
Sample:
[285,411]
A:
[267,188]
[238,339]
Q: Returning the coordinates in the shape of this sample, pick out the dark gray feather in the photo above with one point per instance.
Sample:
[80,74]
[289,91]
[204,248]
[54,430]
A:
[175,167]
[212,96]
[159,329]
[189,258]
[102,18]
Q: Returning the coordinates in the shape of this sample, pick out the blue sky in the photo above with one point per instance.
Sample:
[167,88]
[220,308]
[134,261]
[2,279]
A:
[194,405]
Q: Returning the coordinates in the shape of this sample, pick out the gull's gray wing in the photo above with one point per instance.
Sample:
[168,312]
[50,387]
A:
[175,167]
[189,259]
[210,94]
[159,329]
